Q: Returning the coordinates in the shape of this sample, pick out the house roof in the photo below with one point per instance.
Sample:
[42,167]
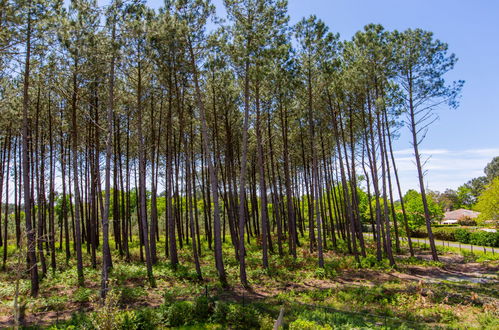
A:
[460,214]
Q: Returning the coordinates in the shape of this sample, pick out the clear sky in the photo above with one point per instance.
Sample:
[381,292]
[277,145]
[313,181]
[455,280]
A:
[463,141]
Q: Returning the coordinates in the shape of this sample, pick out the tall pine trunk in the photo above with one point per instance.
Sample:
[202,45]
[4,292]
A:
[32,265]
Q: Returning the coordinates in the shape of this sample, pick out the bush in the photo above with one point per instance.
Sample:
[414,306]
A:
[444,233]
[370,261]
[82,295]
[419,233]
[440,233]
[467,221]
[127,320]
[131,294]
[266,322]
[242,317]
[320,273]
[78,320]
[220,311]
[462,235]
[178,314]
[146,319]
[203,308]
[104,316]
[466,236]
[484,238]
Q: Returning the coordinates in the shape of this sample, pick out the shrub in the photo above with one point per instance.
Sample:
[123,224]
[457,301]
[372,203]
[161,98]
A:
[419,233]
[127,320]
[203,308]
[266,322]
[370,261]
[79,320]
[178,314]
[484,238]
[146,319]
[441,233]
[82,295]
[462,235]
[444,233]
[320,273]
[220,311]
[466,236]
[242,317]
[467,221]
[131,294]
[104,317]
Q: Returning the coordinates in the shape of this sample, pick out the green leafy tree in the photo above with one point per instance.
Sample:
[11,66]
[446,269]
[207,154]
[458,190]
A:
[468,193]
[488,201]
[492,169]
[448,200]
[465,197]
[415,209]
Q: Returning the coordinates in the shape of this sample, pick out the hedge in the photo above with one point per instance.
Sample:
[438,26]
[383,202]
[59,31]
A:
[465,236]
[484,238]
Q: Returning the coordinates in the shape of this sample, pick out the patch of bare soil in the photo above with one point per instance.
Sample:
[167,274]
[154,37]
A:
[455,269]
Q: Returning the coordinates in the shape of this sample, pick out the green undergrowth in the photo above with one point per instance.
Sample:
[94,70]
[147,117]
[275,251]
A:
[312,297]
[391,305]
[201,313]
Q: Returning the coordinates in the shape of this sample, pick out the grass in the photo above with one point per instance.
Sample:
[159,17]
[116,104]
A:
[344,294]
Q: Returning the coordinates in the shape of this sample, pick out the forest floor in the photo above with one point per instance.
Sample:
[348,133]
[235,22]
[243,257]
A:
[459,291]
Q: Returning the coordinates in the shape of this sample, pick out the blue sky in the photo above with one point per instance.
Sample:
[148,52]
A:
[464,140]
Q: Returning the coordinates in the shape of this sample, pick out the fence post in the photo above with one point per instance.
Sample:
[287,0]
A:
[278,322]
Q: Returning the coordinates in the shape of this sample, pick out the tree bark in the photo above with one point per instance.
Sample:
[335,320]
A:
[32,266]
